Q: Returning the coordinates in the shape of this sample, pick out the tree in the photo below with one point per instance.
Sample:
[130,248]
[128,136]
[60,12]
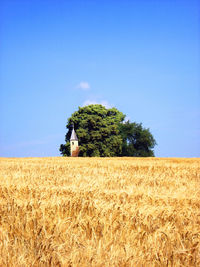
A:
[97,129]
[103,132]
[137,141]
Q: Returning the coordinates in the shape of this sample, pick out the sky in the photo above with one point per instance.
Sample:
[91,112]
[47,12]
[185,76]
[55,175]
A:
[140,56]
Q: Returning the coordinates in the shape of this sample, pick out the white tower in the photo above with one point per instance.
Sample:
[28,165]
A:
[74,144]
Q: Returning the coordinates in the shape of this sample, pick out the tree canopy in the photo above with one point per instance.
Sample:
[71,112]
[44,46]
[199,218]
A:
[103,132]
[137,141]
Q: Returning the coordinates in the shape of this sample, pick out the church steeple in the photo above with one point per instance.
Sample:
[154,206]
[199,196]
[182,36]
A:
[73,135]
[74,144]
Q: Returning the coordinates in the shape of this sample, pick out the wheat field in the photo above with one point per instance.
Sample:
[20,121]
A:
[99,212]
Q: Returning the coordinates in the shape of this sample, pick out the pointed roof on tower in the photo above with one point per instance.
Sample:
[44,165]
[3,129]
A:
[73,135]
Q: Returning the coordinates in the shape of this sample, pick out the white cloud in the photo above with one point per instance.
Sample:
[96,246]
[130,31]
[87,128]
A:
[93,102]
[85,86]
[127,118]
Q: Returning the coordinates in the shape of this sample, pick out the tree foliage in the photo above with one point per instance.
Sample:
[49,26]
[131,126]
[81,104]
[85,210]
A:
[137,141]
[103,132]
[97,131]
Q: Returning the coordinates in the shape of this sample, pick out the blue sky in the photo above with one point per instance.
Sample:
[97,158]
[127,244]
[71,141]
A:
[143,57]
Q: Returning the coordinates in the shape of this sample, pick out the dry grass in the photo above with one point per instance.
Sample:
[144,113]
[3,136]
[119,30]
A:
[99,212]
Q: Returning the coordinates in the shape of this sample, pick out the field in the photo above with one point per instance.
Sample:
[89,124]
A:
[99,212]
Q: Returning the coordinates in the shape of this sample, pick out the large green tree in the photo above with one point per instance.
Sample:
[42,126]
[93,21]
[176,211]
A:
[97,129]
[103,132]
[137,141]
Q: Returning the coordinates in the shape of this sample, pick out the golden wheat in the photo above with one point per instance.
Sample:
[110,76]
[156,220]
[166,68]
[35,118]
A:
[99,212]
